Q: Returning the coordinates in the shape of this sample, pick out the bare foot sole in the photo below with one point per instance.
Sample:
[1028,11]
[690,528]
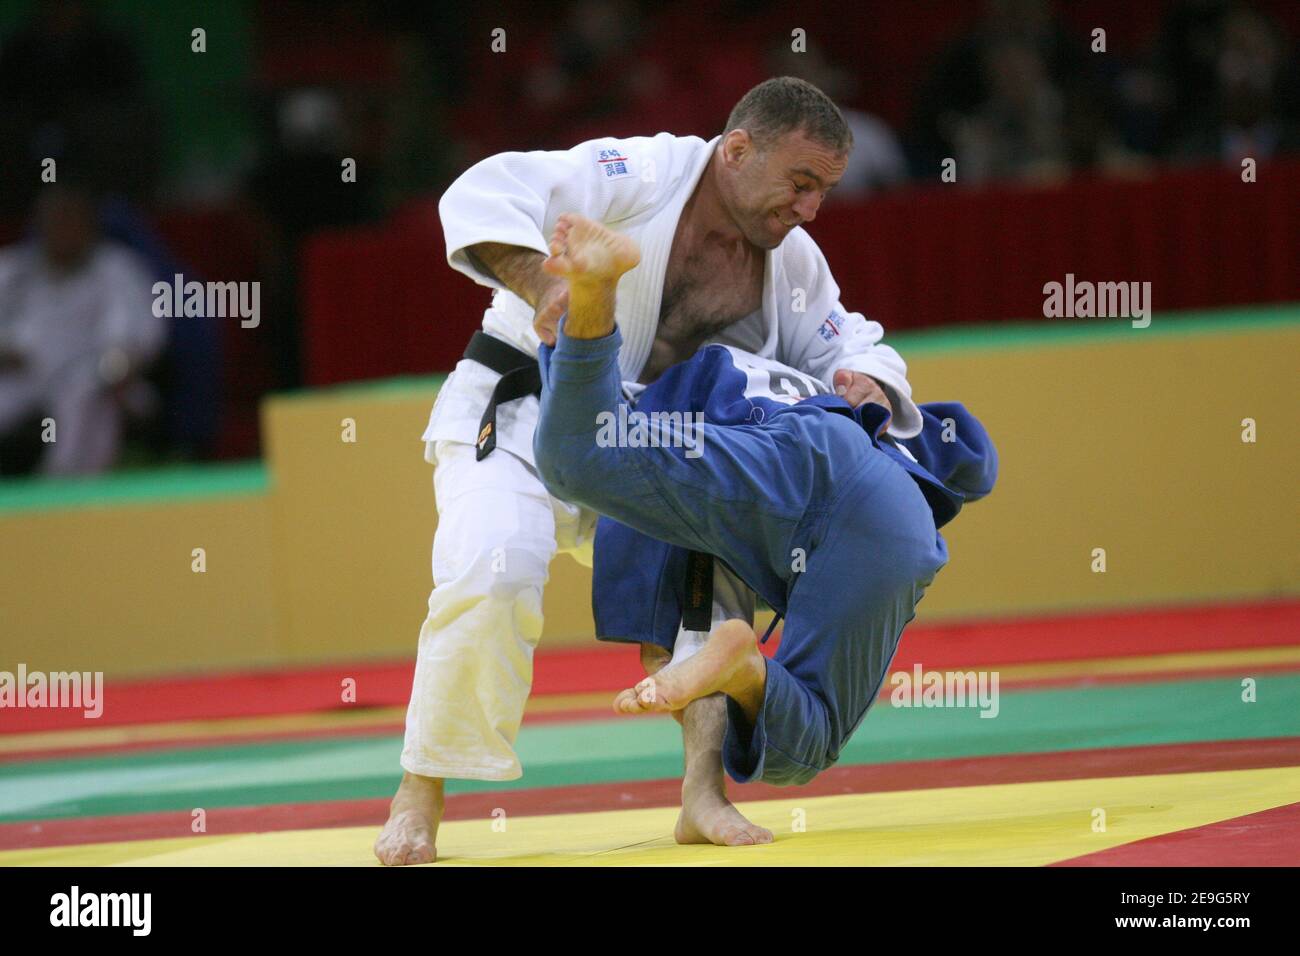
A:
[583,250]
[728,661]
[409,837]
[713,819]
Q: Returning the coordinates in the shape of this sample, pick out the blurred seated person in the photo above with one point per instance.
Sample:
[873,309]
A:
[1019,131]
[76,329]
[1017,96]
[1250,109]
[877,161]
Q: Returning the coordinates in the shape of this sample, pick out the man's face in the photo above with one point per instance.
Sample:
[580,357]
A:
[771,191]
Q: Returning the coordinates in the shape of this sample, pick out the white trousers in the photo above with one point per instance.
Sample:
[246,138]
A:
[498,529]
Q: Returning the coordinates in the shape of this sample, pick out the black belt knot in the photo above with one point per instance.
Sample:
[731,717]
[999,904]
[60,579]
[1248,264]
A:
[520,376]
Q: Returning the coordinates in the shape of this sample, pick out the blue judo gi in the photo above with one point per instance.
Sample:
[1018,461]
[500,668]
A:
[807,501]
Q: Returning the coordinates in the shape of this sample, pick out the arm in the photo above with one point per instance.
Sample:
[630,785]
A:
[838,346]
[498,214]
[520,271]
[514,199]
[516,268]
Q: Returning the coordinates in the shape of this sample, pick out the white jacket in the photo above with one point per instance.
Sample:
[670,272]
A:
[639,186]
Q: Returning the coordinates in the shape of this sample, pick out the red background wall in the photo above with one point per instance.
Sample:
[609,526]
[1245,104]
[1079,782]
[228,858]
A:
[383,301]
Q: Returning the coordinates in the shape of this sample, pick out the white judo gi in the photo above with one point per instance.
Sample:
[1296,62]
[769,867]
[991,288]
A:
[498,528]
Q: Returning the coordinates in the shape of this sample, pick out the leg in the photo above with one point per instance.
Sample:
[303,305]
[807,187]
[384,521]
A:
[789,717]
[841,631]
[581,378]
[411,834]
[495,540]
[707,815]
[592,258]
[729,663]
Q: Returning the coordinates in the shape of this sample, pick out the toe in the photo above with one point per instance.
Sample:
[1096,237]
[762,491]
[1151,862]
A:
[737,836]
[626,702]
[421,853]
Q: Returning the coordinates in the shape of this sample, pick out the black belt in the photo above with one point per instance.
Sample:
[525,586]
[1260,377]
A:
[520,377]
[697,610]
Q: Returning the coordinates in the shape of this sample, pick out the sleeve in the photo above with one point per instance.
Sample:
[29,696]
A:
[825,337]
[515,198]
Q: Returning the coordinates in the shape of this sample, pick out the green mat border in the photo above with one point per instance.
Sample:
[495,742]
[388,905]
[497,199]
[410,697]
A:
[178,483]
[1047,332]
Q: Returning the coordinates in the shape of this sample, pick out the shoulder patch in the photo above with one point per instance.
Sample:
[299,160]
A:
[832,326]
[614,163]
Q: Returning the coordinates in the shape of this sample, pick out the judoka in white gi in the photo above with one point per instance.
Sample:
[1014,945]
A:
[723,259]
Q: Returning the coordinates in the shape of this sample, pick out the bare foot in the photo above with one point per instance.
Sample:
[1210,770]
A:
[411,832]
[653,660]
[709,817]
[585,251]
[729,662]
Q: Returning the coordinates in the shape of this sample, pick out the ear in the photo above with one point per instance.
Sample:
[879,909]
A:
[736,145]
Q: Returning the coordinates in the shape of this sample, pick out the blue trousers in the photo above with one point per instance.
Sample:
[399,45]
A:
[805,498]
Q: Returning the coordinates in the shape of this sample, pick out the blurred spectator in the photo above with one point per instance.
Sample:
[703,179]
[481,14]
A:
[188,375]
[1015,97]
[877,161]
[1018,131]
[298,188]
[76,330]
[594,72]
[588,75]
[1246,113]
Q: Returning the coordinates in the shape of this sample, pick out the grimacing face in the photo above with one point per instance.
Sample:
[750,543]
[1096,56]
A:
[774,190]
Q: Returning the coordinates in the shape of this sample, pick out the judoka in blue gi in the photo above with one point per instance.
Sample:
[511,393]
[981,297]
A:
[808,502]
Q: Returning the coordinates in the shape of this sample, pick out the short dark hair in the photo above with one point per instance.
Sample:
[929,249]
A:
[787,104]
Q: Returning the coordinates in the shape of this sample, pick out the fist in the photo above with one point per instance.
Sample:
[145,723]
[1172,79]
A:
[553,304]
[857,388]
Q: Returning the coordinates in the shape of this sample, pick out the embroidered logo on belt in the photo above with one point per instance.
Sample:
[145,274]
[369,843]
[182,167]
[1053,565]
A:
[483,435]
